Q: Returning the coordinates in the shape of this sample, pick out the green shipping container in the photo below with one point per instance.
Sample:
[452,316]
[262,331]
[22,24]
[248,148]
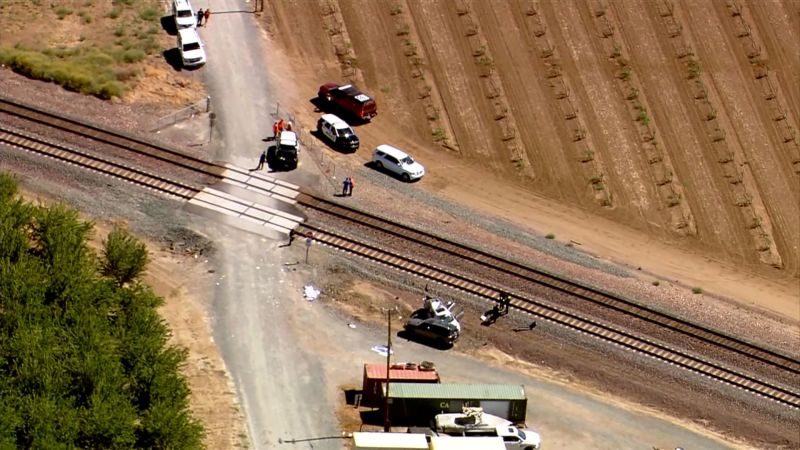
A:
[413,404]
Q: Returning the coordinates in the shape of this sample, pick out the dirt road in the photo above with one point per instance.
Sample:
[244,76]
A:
[288,356]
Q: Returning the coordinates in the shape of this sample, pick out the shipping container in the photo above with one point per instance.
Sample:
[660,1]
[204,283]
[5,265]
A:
[386,441]
[418,403]
[375,376]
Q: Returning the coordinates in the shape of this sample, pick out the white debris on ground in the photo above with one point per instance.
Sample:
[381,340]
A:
[381,350]
[311,292]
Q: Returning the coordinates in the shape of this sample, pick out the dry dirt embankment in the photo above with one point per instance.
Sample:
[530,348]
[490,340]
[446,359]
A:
[681,125]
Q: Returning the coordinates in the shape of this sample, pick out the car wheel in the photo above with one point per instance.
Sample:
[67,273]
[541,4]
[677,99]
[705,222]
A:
[378,164]
[406,177]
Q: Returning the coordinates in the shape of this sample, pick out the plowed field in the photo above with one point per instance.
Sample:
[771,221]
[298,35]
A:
[677,117]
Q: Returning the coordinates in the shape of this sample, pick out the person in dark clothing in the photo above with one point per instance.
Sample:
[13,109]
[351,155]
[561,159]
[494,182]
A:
[261,160]
[350,187]
[346,186]
[200,16]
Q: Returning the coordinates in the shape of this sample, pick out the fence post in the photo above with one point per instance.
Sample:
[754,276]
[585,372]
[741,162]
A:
[208,103]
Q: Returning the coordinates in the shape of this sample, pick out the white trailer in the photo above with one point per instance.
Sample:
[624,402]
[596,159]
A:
[467,443]
[389,441]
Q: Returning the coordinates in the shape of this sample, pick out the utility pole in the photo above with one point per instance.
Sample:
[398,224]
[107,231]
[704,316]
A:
[386,424]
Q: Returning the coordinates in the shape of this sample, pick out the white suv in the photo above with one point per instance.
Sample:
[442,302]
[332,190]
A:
[397,161]
[184,14]
[191,48]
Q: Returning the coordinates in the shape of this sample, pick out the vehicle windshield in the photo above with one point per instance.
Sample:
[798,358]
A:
[407,160]
[191,46]
[521,434]
[345,132]
[184,13]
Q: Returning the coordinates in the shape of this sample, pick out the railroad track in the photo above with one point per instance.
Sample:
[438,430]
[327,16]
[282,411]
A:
[567,319]
[255,216]
[556,283]
[230,205]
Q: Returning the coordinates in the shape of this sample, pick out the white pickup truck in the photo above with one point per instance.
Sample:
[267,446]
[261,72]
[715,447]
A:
[474,422]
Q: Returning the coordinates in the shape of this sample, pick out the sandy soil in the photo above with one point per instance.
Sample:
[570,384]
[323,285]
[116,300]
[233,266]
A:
[717,258]
[548,196]
[494,112]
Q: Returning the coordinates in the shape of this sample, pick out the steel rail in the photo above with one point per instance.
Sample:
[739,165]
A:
[554,314]
[571,287]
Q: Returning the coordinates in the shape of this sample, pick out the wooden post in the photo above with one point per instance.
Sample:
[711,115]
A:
[386,424]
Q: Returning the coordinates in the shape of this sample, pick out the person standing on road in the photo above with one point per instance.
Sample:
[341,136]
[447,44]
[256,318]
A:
[352,184]
[275,129]
[346,186]
[261,160]
[281,125]
[207,14]
[200,16]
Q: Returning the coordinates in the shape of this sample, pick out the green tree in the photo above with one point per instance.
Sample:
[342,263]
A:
[84,358]
[125,258]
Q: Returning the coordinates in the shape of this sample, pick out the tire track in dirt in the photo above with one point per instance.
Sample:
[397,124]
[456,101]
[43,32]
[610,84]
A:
[421,84]
[290,26]
[616,140]
[771,17]
[575,128]
[492,87]
[662,81]
[450,59]
[335,27]
[748,137]
[530,99]
[367,24]
[662,174]
[778,162]
[765,84]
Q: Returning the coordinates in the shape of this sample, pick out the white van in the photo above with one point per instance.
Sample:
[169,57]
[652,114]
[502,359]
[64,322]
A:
[184,14]
[191,48]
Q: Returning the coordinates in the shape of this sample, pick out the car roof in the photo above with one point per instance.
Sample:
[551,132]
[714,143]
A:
[189,35]
[334,120]
[392,151]
[288,138]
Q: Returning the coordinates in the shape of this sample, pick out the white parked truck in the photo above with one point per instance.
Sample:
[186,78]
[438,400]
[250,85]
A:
[474,422]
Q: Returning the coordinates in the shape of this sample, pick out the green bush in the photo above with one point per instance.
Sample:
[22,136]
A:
[133,55]
[149,14]
[113,13]
[90,73]
[697,290]
[550,236]
[124,258]
[62,12]
[150,45]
